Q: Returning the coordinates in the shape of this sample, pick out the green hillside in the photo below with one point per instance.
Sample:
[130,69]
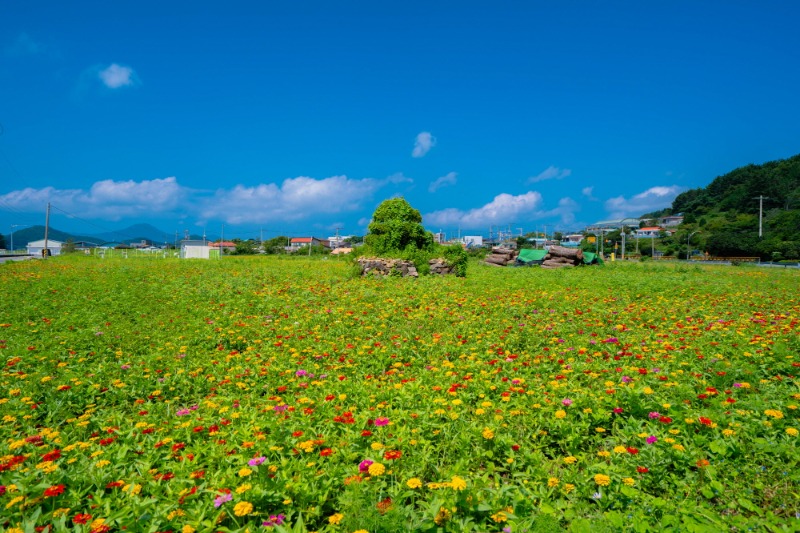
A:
[725,214]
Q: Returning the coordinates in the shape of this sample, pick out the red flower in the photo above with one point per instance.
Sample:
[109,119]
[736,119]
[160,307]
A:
[618,410]
[642,469]
[665,419]
[392,455]
[297,434]
[81,518]
[51,456]
[633,451]
[114,484]
[326,452]
[705,421]
[366,433]
[55,490]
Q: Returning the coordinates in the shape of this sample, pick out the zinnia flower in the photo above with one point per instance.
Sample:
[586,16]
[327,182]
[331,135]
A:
[381,421]
[55,490]
[376,469]
[243,509]
[602,480]
[414,483]
[458,483]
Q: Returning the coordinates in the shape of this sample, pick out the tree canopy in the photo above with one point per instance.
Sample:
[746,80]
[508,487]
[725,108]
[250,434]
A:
[395,227]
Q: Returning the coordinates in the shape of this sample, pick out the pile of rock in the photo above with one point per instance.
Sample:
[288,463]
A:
[560,257]
[384,267]
[501,257]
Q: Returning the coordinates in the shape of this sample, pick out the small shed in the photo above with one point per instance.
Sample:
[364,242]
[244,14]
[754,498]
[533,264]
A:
[35,247]
[196,249]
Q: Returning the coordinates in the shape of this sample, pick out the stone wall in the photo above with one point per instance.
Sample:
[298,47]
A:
[376,266]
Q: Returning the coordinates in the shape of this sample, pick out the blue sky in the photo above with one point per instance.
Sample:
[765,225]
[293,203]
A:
[301,117]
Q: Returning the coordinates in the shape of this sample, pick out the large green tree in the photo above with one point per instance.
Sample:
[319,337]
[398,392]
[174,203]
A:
[395,227]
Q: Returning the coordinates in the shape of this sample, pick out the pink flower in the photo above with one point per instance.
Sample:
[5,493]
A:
[566,401]
[652,439]
[182,412]
[257,461]
[654,414]
[381,421]
[364,465]
[219,500]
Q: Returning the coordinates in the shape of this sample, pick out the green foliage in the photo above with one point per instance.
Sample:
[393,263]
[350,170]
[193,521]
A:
[395,226]
[248,247]
[276,245]
[456,257]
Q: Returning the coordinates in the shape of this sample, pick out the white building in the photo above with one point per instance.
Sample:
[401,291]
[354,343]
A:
[35,247]
[198,250]
[472,241]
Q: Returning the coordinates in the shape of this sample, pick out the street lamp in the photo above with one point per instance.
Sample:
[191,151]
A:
[688,246]
[12,233]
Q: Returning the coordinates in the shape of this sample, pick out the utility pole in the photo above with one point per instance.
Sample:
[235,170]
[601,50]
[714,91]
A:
[46,229]
[760,199]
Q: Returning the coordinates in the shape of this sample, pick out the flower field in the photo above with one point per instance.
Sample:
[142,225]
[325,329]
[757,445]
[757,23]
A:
[274,394]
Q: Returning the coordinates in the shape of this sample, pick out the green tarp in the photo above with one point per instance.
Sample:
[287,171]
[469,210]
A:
[528,256]
[591,259]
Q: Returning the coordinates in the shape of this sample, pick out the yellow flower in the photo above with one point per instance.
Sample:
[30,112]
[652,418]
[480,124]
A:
[335,519]
[552,482]
[244,472]
[479,411]
[360,530]
[376,446]
[499,517]
[570,460]
[414,483]
[628,481]
[187,529]
[487,433]
[600,430]
[14,501]
[458,483]
[561,413]
[243,488]
[602,480]
[376,469]
[620,449]
[603,453]
[568,487]
[243,509]
[97,523]
[647,390]
[679,447]
[102,463]
[792,431]
[774,413]
[728,432]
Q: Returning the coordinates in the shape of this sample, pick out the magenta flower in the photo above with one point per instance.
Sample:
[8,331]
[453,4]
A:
[364,465]
[257,461]
[652,439]
[381,421]
[182,412]
[654,414]
[626,379]
[219,500]
[566,401]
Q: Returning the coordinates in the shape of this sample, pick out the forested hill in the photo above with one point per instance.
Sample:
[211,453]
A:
[724,215]
[779,181]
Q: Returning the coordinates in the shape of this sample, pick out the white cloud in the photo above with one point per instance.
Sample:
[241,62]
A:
[652,199]
[107,199]
[438,183]
[424,142]
[294,199]
[504,209]
[588,192]
[115,76]
[550,173]
[23,45]
[565,211]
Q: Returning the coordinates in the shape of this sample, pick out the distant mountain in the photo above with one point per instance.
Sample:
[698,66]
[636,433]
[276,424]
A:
[131,234]
[34,233]
[137,233]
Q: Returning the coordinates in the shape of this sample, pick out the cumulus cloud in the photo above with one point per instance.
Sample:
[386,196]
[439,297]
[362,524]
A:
[652,199]
[107,199]
[504,209]
[588,192]
[115,76]
[550,173]
[294,199]
[23,45]
[424,142]
[438,183]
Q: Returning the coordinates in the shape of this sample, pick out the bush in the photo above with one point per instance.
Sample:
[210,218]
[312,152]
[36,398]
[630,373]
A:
[456,257]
